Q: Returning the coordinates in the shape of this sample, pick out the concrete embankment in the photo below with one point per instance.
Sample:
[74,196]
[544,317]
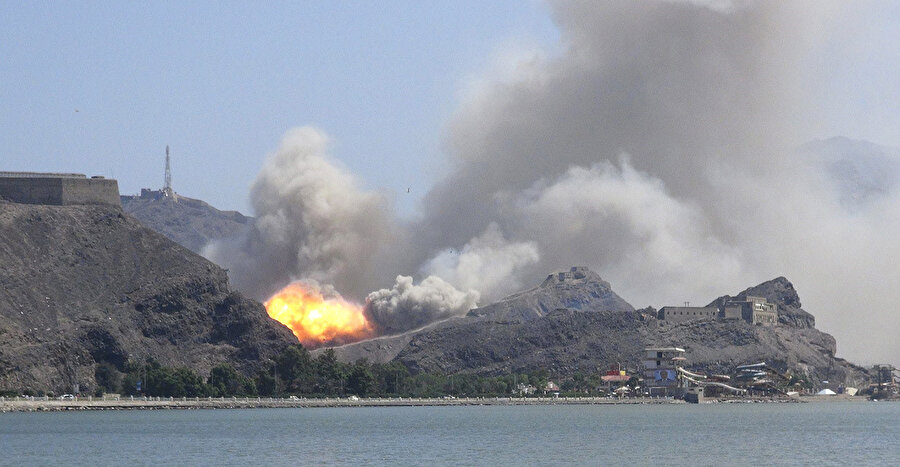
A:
[41,404]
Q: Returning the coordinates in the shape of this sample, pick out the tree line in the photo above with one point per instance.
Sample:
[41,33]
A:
[296,372]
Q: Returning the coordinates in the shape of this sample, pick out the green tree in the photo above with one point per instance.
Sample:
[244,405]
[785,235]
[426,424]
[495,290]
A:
[360,380]
[107,377]
[294,363]
[390,377]
[164,382]
[224,380]
[330,373]
[191,382]
[265,383]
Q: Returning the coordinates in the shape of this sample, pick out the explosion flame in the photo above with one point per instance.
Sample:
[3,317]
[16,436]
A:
[318,321]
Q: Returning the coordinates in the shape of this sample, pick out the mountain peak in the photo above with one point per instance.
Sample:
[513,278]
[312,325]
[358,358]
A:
[575,275]
[578,289]
[781,292]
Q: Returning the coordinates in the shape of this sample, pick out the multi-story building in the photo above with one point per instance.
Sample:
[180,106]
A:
[661,370]
[754,310]
[687,313]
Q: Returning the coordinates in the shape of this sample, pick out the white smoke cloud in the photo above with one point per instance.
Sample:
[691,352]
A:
[723,6]
[707,97]
[315,225]
[313,222]
[407,306]
[626,224]
[487,263]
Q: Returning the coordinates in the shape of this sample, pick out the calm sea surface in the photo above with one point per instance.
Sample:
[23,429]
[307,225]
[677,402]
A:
[713,434]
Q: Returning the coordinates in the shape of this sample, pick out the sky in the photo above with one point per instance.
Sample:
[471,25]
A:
[583,131]
[103,87]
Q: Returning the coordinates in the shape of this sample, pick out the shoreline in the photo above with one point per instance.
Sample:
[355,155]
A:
[206,403]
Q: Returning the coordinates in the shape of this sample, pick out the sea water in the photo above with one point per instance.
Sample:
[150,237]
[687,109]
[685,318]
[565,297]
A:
[838,433]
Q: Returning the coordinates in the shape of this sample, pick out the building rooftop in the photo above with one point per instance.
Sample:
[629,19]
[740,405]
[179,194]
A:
[615,378]
[40,175]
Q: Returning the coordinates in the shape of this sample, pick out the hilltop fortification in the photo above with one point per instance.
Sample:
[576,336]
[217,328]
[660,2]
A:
[58,189]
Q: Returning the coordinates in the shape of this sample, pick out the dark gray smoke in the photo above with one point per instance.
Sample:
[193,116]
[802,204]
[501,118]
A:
[407,306]
[656,148]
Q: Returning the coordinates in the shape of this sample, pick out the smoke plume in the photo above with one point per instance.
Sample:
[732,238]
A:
[656,147]
[313,222]
[487,263]
[709,100]
[406,306]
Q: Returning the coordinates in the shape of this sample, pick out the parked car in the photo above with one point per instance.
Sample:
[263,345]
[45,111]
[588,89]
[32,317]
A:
[66,397]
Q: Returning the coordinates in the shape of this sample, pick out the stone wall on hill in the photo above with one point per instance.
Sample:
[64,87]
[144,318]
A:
[58,189]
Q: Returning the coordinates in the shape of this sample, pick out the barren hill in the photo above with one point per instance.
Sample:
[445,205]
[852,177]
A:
[521,333]
[81,285]
[189,222]
[576,289]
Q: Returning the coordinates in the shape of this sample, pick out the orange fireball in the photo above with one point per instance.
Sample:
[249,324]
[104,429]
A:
[315,320]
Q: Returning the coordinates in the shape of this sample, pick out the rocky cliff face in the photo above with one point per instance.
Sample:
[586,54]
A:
[80,285]
[575,323]
[189,222]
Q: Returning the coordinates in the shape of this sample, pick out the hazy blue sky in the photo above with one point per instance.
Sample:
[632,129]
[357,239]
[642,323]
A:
[103,87]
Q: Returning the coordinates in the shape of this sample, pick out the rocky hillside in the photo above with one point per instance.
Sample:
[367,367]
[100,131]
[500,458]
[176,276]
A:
[522,333]
[576,289]
[780,292]
[189,222]
[81,285]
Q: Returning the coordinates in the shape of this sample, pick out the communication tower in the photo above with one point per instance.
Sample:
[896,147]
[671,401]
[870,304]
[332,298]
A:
[167,188]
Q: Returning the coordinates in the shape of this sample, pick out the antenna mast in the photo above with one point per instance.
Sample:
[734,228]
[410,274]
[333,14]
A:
[167,190]
[168,185]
